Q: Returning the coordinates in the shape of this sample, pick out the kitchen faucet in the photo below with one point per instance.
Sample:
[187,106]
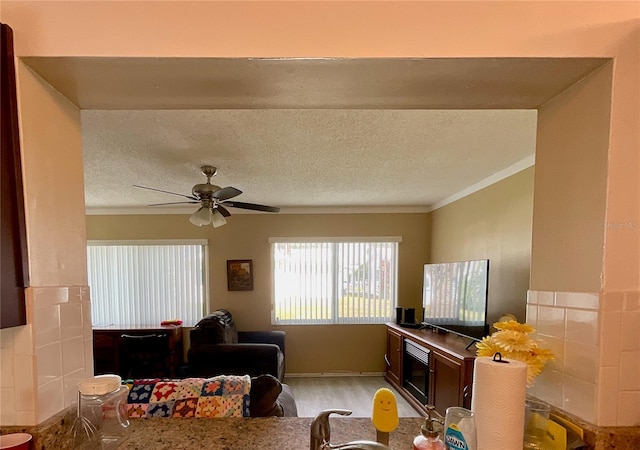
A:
[320,438]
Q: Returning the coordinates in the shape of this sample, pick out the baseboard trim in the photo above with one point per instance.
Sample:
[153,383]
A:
[334,374]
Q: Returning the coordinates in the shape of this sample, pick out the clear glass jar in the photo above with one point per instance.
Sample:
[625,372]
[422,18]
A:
[103,402]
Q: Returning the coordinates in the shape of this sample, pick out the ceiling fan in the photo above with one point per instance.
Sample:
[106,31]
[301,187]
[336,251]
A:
[213,200]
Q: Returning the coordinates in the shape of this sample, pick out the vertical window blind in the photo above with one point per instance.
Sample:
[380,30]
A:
[333,282]
[146,282]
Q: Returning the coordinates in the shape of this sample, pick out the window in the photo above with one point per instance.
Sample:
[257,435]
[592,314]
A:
[146,282]
[334,281]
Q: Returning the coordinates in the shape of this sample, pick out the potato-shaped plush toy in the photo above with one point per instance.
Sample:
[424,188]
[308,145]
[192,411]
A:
[385,411]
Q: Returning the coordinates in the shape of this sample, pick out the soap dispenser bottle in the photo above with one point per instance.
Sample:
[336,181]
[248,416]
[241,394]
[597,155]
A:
[429,438]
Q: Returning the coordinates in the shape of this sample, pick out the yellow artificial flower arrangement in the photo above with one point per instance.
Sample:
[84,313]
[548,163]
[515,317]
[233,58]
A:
[513,341]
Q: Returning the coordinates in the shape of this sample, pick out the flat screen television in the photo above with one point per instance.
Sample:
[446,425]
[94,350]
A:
[455,296]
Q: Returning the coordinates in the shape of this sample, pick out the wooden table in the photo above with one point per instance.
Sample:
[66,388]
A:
[108,349]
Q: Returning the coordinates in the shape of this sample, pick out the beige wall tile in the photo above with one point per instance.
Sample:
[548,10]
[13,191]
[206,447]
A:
[75,294]
[579,398]
[551,321]
[47,296]
[544,297]
[7,405]
[628,409]
[549,387]
[71,320]
[7,337]
[24,341]
[72,355]
[611,329]
[88,357]
[86,320]
[607,402]
[25,380]
[557,346]
[46,325]
[27,418]
[582,326]
[6,367]
[632,301]
[532,315]
[49,359]
[581,361]
[85,293]
[50,399]
[630,371]
[612,301]
[25,399]
[630,330]
[584,300]
[70,386]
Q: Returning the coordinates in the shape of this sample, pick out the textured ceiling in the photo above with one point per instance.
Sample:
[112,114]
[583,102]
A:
[304,134]
[297,158]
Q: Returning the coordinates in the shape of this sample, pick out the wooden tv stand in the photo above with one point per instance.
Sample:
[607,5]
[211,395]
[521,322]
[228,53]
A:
[449,372]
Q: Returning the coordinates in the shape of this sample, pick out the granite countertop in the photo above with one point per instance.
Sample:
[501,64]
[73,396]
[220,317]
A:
[268,433]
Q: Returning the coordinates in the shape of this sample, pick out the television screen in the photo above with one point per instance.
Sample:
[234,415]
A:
[455,297]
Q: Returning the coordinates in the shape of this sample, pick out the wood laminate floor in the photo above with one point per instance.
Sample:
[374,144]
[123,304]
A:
[314,394]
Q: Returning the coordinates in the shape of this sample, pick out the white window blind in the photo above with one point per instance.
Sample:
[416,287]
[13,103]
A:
[332,282]
[146,282]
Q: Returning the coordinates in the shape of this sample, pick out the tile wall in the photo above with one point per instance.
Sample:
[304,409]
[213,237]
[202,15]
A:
[596,341]
[42,362]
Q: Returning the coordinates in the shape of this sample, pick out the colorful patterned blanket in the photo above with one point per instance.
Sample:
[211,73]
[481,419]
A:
[221,396]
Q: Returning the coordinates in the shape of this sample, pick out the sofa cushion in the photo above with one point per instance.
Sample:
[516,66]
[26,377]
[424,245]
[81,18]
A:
[265,391]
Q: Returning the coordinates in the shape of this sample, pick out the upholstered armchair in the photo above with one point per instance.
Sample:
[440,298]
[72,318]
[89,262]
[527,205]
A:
[218,348]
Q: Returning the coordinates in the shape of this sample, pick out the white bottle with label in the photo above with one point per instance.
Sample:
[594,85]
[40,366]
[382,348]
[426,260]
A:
[460,429]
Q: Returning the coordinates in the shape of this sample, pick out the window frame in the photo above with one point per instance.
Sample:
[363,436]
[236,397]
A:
[333,240]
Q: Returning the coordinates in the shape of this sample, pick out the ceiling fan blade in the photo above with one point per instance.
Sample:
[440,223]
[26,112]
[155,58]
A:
[224,211]
[226,193]
[253,206]
[166,192]
[173,203]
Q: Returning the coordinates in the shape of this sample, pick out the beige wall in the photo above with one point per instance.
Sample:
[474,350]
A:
[246,237]
[43,361]
[570,192]
[493,223]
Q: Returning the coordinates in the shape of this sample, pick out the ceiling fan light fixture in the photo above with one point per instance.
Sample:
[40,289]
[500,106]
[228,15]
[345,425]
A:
[211,199]
[203,216]
[217,219]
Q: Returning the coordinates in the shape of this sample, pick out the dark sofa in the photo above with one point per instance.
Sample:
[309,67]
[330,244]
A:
[218,348]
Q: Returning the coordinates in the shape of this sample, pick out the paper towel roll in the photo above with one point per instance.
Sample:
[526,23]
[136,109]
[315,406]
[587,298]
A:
[498,396]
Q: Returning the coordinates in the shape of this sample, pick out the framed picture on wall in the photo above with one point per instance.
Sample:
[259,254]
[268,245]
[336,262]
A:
[240,275]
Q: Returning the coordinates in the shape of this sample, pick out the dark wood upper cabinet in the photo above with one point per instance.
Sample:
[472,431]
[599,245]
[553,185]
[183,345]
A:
[14,270]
